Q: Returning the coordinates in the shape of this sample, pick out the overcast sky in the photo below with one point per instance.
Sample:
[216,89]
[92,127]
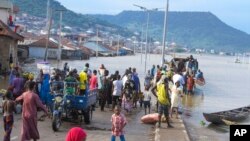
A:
[235,13]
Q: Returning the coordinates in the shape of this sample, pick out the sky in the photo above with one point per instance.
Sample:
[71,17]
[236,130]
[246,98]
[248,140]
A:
[235,13]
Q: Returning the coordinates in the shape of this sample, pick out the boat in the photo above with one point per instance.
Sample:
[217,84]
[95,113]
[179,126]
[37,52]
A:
[29,60]
[200,81]
[234,115]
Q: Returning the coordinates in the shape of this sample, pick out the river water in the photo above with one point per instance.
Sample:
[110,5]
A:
[227,87]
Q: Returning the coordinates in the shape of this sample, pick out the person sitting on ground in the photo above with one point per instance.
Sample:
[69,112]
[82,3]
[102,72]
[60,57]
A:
[118,123]
[146,100]
[76,134]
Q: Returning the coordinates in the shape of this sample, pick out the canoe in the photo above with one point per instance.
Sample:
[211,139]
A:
[230,115]
[200,82]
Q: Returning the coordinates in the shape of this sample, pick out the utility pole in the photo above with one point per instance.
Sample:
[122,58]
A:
[146,46]
[48,14]
[60,36]
[141,42]
[48,36]
[118,45]
[164,33]
[97,47]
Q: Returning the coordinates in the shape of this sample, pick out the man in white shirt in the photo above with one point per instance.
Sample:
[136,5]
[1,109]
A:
[116,91]
[177,77]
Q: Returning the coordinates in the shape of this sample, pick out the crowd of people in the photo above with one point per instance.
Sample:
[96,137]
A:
[117,93]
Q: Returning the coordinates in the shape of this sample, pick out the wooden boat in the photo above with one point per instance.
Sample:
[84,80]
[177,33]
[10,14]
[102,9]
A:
[230,115]
[200,82]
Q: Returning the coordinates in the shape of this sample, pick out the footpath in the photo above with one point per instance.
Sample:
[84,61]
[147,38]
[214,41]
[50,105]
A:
[178,133]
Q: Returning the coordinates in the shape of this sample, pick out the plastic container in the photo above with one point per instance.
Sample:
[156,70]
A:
[45,66]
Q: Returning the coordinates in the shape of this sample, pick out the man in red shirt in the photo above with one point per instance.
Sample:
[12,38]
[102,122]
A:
[93,82]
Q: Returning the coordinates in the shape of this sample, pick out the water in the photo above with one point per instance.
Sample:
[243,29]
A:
[227,87]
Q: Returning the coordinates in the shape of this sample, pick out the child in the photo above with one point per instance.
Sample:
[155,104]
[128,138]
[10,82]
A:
[8,119]
[190,84]
[118,123]
[146,100]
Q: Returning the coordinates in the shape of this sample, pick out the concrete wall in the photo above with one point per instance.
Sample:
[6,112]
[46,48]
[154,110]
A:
[39,52]
[7,45]
[4,14]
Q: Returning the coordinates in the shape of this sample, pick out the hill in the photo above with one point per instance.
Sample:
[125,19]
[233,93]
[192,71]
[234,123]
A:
[190,29]
[38,8]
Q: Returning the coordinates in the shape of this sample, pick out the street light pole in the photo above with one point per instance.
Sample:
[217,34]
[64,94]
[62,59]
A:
[97,47]
[164,33]
[141,42]
[48,35]
[118,45]
[146,46]
[60,36]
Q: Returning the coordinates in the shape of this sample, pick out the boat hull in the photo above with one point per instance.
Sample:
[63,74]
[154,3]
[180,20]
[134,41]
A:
[230,115]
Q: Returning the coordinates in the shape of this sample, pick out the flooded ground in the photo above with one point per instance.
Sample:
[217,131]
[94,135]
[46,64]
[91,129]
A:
[227,87]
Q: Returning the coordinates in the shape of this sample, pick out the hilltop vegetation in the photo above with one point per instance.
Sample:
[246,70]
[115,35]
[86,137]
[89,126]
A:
[38,8]
[189,29]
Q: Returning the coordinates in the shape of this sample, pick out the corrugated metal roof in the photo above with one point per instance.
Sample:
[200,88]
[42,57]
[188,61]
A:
[42,43]
[96,47]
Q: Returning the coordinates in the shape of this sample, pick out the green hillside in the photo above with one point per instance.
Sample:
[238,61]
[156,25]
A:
[38,8]
[191,29]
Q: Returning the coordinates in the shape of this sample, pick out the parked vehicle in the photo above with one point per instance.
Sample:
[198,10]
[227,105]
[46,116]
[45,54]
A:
[71,105]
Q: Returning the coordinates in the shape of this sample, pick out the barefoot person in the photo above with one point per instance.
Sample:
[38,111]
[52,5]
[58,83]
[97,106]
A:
[118,123]
[31,103]
[8,119]
[163,99]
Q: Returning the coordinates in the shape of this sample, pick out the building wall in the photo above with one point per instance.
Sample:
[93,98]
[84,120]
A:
[7,46]
[4,14]
[39,52]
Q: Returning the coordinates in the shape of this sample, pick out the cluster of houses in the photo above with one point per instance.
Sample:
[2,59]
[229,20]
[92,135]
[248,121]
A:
[17,45]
